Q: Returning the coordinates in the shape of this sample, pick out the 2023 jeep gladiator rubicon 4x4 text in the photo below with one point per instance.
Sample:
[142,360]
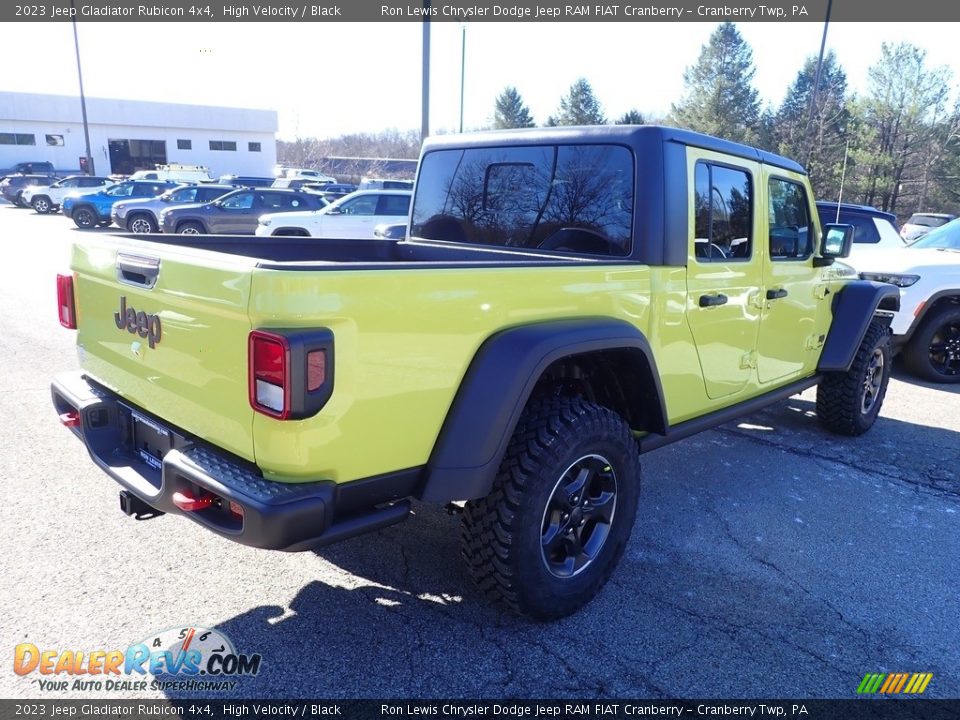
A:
[567,299]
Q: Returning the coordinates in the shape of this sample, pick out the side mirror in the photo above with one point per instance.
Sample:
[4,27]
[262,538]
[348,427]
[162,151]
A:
[835,243]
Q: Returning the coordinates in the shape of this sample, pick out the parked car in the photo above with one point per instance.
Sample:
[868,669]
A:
[47,198]
[282,171]
[331,191]
[35,167]
[297,183]
[177,172]
[235,213]
[353,216]
[246,181]
[12,186]
[926,328]
[90,209]
[920,224]
[385,184]
[872,228]
[143,216]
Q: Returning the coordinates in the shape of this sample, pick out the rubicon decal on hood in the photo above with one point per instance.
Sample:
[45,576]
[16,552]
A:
[138,322]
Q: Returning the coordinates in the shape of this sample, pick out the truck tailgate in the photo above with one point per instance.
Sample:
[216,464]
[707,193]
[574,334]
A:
[166,328]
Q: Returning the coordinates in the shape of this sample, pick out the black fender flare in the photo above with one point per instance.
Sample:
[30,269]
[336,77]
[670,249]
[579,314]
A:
[495,389]
[853,310]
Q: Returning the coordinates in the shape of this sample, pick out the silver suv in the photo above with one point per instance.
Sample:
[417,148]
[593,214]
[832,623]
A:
[142,216]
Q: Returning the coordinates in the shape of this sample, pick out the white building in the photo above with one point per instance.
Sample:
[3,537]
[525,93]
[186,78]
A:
[128,135]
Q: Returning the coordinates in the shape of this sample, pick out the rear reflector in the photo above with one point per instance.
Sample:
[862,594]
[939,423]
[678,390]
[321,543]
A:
[188,503]
[316,369]
[65,302]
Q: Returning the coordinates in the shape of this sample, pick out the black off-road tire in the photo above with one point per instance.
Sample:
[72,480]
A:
[933,352]
[505,537]
[848,403]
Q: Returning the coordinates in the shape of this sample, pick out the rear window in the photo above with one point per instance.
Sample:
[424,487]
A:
[576,199]
[931,221]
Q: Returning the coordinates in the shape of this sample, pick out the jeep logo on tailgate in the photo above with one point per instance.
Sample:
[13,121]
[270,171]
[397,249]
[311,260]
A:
[137,321]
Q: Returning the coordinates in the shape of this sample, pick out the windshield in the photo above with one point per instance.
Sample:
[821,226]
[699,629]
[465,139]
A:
[946,237]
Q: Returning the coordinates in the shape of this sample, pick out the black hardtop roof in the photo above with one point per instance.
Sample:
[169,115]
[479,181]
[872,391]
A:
[631,135]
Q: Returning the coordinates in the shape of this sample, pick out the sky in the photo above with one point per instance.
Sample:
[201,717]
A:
[325,80]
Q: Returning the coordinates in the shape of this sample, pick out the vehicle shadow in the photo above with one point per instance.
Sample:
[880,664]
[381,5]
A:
[753,571]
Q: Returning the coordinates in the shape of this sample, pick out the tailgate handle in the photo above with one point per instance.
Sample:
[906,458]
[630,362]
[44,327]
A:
[138,270]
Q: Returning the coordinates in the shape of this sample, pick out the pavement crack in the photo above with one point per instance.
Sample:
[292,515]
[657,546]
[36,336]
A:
[925,484]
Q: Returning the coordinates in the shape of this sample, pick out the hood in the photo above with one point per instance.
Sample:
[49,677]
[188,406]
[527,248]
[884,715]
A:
[905,259]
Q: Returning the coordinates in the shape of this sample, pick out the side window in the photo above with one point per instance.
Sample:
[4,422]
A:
[363,205]
[187,195]
[575,199]
[243,201]
[70,183]
[791,233]
[723,202]
[394,205]
[864,229]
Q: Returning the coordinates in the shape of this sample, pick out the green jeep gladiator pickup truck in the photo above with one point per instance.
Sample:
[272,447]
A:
[566,300]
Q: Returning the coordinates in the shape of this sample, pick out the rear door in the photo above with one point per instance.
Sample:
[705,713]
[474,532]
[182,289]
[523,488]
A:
[166,328]
[723,269]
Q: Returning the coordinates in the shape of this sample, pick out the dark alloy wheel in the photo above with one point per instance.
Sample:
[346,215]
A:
[578,516]
[553,527]
[84,218]
[848,403]
[142,224]
[933,352]
[41,204]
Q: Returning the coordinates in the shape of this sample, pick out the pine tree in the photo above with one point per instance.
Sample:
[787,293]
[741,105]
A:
[719,98]
[579,107]
[510,112]
[631,117]
[899,123]
[816,140]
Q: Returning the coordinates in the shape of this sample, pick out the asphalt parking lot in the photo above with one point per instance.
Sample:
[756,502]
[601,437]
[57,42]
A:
[769,558]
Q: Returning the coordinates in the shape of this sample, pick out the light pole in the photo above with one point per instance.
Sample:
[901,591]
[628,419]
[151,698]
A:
[425,80]
[463,66]
[83,100]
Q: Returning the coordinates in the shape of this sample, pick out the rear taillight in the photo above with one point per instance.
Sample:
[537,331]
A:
[269,360]
[65,302]
[290,371]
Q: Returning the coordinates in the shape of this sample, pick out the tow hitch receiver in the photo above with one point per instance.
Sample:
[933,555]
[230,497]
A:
[132,505]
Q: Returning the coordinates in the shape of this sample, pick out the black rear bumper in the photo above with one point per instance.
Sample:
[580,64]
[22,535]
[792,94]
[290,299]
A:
[246,507]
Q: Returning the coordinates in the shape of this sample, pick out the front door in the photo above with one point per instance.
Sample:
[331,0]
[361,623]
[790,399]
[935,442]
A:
[723,271]
[788,345]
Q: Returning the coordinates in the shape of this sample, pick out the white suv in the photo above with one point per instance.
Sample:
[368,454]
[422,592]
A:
[353,216]
[927,327]
[47,198]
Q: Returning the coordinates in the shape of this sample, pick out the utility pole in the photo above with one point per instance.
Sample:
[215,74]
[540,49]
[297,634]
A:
[816,83]
[425,82]
[83,100]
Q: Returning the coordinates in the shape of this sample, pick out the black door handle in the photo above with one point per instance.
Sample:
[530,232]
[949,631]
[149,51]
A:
[776,294]
[712,300]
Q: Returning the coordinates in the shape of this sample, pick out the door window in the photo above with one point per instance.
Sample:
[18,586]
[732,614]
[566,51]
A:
[243,201]
[398,205]
[723,202]
[791,234]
